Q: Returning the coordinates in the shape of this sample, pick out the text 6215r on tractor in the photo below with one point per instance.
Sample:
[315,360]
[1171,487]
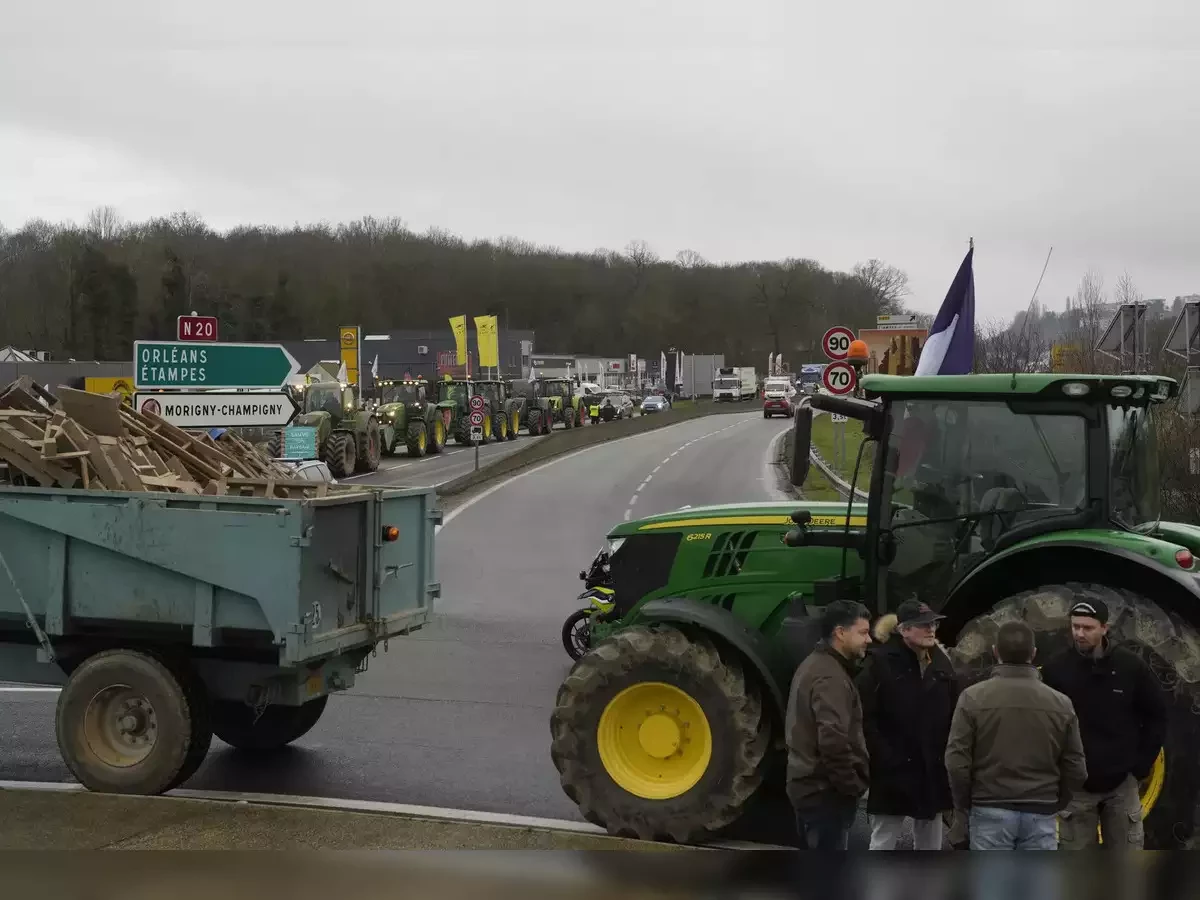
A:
[992,497]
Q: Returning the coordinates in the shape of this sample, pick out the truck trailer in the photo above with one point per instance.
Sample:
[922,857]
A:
[735,383]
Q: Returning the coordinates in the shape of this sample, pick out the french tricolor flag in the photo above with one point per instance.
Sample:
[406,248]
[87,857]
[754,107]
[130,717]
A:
[950,347]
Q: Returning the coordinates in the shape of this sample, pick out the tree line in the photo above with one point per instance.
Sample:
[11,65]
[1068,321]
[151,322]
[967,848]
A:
[90,290]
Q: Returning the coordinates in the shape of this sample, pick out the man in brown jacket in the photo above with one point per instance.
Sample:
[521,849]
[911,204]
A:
[1014,756]
[827,768]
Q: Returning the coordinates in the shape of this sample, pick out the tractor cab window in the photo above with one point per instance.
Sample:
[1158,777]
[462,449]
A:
[323,397]
[959,474]
[404,393]
[1133,467]
[452,390]
[488,392]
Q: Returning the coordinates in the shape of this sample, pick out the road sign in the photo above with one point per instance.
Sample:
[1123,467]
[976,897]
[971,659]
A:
[182,365]
[196,328]
[837,418]
[476,419]
[839,378]
[225,409]
[476,434]
[477,403]
[897,322]
[836,342]
[300,442]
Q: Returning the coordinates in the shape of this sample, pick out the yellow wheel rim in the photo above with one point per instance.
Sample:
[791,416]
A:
[487,428]
[654,741]
[516,423]
[439,432]
[422,442]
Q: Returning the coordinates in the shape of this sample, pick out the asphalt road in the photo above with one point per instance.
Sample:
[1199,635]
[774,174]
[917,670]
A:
[458,715]
[436,469]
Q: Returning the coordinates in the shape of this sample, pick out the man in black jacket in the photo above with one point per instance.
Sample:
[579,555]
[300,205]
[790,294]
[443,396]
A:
[1123,721]
[909,690]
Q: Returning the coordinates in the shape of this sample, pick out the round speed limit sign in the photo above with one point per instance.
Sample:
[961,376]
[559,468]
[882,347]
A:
[836,342]
[477,403]
[839,378]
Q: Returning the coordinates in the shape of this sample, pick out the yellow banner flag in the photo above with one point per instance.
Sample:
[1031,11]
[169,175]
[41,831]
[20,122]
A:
[488,337]
[458,324]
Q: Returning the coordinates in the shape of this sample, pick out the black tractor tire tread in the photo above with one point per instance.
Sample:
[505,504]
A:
[161,769]
[720,798]
[1139,624]
[275,446]
[339,449]
[199,705]
[275,729]
[568,417]
[499,428]
[366,461]
[533,422]
[412,439]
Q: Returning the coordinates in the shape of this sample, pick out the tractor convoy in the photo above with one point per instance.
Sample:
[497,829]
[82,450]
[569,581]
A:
[991,497]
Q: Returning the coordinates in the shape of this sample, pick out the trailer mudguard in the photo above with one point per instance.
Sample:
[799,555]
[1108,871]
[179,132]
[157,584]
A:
[753,645]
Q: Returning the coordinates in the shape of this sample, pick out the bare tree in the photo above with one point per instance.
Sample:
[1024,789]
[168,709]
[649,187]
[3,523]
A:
[104,223]
[1086,315]
[640,254]
[1000,347]
[690,259]
[1127,291]
[887,283]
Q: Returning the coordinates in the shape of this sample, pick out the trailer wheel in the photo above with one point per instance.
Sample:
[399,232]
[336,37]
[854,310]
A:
[1164,640]
[233,722]
[124,724]
[202,733]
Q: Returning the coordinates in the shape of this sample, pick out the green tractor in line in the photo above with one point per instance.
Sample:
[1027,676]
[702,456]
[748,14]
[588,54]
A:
[992,498]
[348,436]
[408,417]
[564,404]
[501,412]
[537,411]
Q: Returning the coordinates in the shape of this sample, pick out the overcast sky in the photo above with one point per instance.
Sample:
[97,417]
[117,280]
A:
[837,131]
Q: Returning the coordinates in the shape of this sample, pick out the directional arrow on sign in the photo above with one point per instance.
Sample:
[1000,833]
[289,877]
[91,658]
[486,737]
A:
[219,409]
[184,365]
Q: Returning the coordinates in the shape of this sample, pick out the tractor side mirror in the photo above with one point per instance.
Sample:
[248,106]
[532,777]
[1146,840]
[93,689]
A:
[801,443]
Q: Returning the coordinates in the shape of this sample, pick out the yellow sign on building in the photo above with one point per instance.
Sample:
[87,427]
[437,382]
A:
[122,386]
[348,342]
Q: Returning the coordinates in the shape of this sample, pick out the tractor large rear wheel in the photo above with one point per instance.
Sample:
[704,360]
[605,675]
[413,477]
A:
[568,417]
[500,427]
[340,454]
[368,447]
[1171,647]
[275,446]
[533,421]
[656,736]
[514,424]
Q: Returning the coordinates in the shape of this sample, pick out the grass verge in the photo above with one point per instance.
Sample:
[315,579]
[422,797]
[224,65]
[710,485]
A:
[842,464]
[816,486]
[567,440]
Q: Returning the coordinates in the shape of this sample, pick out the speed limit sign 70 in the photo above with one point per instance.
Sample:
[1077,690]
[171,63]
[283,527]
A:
[836,342]
[839,378]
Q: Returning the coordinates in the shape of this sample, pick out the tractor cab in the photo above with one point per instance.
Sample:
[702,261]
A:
[964,469]
[406,393]
[335,399]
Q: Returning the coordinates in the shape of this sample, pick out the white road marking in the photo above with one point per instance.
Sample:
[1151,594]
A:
[28,689]
[633,500]
[655,470]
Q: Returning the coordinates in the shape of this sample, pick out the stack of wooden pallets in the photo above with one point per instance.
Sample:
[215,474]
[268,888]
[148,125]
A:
[77,439]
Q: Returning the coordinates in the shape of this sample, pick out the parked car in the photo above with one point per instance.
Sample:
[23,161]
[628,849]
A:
[655,403]
[609,406]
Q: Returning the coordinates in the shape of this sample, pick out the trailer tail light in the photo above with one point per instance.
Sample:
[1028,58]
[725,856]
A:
[1184,558]
[391,533]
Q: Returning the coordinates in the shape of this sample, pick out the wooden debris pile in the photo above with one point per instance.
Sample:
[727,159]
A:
[91,441]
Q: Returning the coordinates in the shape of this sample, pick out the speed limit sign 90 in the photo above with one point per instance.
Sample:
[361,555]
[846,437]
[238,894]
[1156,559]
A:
[836,342]
[839,378]
[477,402]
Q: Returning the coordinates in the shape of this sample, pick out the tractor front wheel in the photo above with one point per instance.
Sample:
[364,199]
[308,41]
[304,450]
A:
[369,452]
[514,424]
[657,736]
[500,427]
[340,454]
[275,446]
[533,422]
[416,439]
[1170,809]
[568,418]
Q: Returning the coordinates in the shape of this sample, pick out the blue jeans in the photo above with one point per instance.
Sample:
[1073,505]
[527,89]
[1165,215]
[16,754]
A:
[992,828]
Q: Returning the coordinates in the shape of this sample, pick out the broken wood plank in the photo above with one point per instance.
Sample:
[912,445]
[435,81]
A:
[98,413]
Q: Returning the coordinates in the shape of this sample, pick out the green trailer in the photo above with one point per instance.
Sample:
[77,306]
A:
[167,618]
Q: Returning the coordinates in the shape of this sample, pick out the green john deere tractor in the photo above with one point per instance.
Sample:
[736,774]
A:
[407,417]
[992,497]
[348,436]
[565,405]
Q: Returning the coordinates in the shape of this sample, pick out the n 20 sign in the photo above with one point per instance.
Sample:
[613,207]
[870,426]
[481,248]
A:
[836,342]
[196,328]
[839,378]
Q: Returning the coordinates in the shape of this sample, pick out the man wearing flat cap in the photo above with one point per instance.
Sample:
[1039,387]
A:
[1123,722]
[908,689]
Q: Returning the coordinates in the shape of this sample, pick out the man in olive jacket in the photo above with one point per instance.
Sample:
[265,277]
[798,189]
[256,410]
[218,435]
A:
[1014,756]
[827,768]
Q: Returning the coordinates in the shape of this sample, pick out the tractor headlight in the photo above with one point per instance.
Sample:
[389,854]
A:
[614,544]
